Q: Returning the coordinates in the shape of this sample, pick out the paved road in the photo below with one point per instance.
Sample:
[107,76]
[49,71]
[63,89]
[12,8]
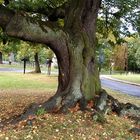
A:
[21,70]
[121,87]
[12,70]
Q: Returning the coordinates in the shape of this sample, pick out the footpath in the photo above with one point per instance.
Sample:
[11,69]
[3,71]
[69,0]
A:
[118,80]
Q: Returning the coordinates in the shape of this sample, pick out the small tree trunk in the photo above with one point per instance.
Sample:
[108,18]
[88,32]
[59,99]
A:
[37,66]
[24,66]
[0,57]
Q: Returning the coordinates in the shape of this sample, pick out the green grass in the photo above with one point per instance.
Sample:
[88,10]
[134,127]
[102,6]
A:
[27,81]
[124,98]
[129,77]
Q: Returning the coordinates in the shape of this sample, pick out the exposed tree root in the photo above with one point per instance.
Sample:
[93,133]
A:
[103,104]
[106,103]
[29,111]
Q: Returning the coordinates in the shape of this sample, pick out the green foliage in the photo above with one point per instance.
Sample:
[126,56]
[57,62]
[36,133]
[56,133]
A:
[49,53]
[137,56]
[40,111]
[115,20]
[134,54]
[107,52]
[119,14]
[24,51]
[61,22]
[1,1]
[7,44]
[27,49]
[120,57]
[34,4]
[99,117]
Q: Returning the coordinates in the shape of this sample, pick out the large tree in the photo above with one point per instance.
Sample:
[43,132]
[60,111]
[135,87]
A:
[73,43]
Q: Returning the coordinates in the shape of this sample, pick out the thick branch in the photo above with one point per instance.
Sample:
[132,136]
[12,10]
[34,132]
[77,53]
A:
[5,16]
[89,15]
[82,15]
[20,26]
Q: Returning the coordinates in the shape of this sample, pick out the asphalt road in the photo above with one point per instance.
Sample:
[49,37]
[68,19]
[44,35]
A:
[21,70]
[121,87]
[10,70]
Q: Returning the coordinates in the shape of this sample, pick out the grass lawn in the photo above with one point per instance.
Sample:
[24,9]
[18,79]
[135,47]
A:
[17,91]
[129,77]
[17,81]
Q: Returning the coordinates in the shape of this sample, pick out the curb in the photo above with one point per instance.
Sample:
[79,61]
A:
[114,79]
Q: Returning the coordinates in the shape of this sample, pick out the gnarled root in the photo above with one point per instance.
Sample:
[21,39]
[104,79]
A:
[106,103]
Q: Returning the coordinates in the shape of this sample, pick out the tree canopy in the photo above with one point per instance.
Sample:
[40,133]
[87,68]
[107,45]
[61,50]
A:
[119,17]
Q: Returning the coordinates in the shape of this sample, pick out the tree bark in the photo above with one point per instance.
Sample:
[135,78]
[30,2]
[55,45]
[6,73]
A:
[83,83]
[37,65]
[0,57]
[74,46]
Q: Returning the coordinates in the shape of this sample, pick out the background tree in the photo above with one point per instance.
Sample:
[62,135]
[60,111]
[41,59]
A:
[36,53]
[106,44]
[36,48]
[120,57]
[2,42]
[137,55]
[41,54]
[8,45]
[133,53]
[49,61]
[30,51]
[1,58]
[119,19]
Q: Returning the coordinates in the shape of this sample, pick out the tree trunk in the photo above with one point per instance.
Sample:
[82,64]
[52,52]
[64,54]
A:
[0,57]
[37,66]
[83,82]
